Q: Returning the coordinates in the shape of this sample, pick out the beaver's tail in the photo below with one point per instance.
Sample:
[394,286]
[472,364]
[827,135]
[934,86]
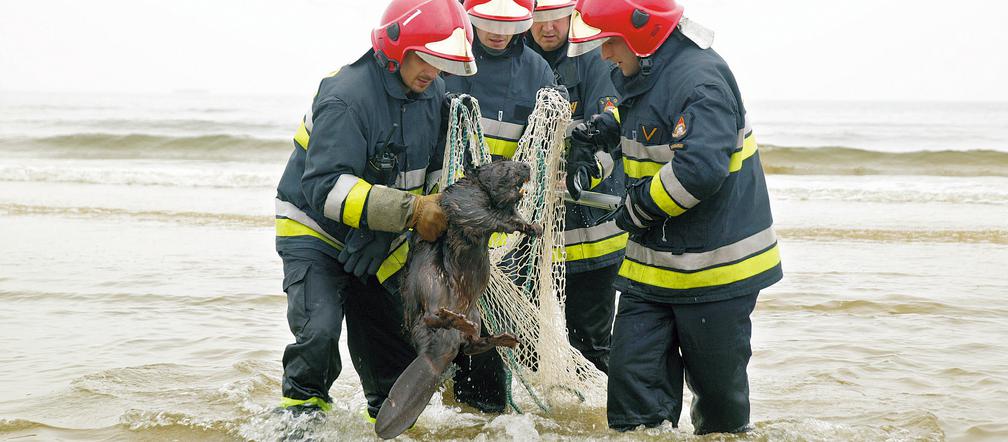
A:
[410,394]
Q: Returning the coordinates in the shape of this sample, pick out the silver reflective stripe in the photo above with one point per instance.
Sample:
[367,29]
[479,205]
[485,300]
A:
[502,130]
[607,163]
[290,211]
[591,234]
[571,126]
[632,211]
[660,153]
[308,117]
[675,188]
[433,179]
[697,261]
[334,201]
[412,179]
[742,133]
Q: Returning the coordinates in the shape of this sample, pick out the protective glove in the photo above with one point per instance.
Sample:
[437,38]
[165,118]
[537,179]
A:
[428,219]
[446,110]
[630,217]
[602,131]
[581,165]
[364,251]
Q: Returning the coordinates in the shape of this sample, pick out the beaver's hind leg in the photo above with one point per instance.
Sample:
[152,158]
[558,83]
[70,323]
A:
[486,343]
[445,318]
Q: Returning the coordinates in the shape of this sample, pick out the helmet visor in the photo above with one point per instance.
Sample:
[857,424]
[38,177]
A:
[501,27]
[452,55]
[583,37]
[541,15]
[461,68]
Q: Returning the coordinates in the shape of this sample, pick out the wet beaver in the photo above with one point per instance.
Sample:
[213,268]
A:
[443,282]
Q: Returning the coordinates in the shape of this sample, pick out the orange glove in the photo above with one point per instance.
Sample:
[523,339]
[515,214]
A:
[428,219]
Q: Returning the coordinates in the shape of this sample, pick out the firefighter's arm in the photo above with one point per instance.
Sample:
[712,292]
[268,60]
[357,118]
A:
[336,159]
[704,140]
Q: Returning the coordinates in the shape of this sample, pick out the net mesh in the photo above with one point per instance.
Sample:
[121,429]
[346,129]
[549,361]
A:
[525,296]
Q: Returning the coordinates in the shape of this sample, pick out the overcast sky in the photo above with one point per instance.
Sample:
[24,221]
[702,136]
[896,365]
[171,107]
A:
[786,49]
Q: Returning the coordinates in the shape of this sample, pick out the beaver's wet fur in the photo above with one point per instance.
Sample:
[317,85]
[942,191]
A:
[443,282]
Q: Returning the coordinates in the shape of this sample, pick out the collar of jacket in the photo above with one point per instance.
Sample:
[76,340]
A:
[513,48]
[394,85]
[631,87]
[553,57]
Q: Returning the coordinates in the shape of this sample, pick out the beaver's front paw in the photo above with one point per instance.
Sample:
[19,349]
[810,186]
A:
[532,230]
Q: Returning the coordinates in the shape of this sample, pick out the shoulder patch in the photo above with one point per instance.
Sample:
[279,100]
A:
[608,103]
[574,106]
[680,128]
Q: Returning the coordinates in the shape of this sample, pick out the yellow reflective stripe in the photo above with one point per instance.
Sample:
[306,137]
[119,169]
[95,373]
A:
[727,274]
[289,227]
[501,148]
[588,250]
[594,182]
[301,137]
[748,150]
[318,402]
[394,262]
[640,169]
[353,205]
[662,198]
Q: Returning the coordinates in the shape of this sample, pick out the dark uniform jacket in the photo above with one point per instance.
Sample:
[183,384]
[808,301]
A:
[506,87]
[328,187]
[589,86]
[693,163]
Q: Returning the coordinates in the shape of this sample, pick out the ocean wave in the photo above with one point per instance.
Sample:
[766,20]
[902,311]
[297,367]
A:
[141,146]
[853,161]
[142,175]
[189,218]
[992,236]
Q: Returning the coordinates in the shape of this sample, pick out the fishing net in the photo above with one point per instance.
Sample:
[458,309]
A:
[525,296]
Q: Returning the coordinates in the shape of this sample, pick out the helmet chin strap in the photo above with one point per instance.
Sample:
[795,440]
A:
[646,63]
[385,62]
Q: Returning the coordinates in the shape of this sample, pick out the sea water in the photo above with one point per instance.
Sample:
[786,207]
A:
[141,294]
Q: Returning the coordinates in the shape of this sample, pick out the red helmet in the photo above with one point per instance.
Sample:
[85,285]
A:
[438,30]
[549,10]
[643,24]
[505,17]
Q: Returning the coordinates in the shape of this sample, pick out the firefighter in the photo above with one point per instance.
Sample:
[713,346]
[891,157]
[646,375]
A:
[509,77]
[362,172]
[701,244]
[593,250]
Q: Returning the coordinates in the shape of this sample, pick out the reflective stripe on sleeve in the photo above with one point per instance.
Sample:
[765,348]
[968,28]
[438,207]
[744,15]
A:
[346,200]
[749,148]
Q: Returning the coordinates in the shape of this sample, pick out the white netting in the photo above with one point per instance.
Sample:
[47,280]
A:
[526,292]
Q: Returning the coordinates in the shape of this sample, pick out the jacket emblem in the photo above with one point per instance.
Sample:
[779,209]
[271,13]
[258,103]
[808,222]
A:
[680,128]
[649,134]
[574,105]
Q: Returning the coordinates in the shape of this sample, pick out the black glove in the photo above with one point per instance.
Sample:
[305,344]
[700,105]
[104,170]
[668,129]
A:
[602,131]
[364,251]
[446,103]
[630,217]
[581,166]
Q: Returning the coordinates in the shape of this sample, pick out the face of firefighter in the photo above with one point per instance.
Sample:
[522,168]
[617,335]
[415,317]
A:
[550,35]
[615,50]
[493,41]
[417,74]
